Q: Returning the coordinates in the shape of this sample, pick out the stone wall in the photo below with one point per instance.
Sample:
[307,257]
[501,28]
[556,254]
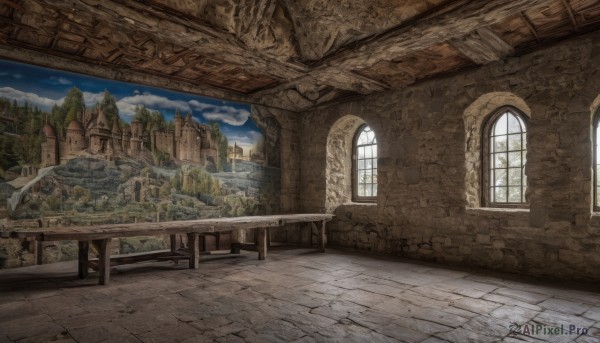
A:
[429,138]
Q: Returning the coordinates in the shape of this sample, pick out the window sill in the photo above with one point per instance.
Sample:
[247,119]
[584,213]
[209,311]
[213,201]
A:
[475,210]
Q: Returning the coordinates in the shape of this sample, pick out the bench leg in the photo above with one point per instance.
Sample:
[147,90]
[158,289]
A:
[39,252]
[84,249]
[103,246]
[322,237]
[194,247]
[262,243]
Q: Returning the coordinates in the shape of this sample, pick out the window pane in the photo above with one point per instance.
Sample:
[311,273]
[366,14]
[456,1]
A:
[368,152]
[500,193]
[514,177]
[514,126]
[514,159]
[514,142]
[362,139]
[368,190]
[361,164]
[374,150]
[500,177]
[369,164]
[500,126]
[366,176]
[370,136]
[500,160]
[361,152]
[374,163]
[499,144]
[514,194]
[375,189]
[374,175]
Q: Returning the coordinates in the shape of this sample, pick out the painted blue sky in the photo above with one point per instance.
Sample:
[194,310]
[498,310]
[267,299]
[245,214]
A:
[45,87]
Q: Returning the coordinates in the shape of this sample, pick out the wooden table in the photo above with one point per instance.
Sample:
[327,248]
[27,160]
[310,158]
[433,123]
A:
[101,235]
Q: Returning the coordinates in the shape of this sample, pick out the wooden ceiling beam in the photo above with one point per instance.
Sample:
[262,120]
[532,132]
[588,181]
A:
[483,46]
[571,15]
[207,41]
[530,26]
[432,30]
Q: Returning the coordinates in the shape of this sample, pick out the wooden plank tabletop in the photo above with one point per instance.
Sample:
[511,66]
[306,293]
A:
[171,227]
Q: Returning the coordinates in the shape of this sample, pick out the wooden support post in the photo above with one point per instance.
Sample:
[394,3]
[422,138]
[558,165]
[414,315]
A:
[262,243]
[84,249]
[173,243]
[322,236]
[39,252]
[268,237]
[103,246]
[194,248]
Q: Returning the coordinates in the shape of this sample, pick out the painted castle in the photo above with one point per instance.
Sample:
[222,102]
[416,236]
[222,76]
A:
[91,134]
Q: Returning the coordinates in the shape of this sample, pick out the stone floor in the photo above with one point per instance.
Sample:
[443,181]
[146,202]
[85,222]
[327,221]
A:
[297,295]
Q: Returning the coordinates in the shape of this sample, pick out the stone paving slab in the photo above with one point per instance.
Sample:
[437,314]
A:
[296,295]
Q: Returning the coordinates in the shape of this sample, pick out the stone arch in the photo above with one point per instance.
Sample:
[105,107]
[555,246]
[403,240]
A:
[595,108]
[338,171]
[475,116]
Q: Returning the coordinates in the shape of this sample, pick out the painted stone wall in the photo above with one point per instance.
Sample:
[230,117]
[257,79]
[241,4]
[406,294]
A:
[429,141]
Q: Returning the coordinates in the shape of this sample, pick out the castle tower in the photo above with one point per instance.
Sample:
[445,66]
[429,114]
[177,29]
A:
[117,137]
[75,138]
[126,142]
[136,138]
[49,147]
[100,134]
[177,138]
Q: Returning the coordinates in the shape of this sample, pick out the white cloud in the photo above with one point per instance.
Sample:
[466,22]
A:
[90,99]
[227,114]
[32,98]
[59,80]
[152,102]
[13,75]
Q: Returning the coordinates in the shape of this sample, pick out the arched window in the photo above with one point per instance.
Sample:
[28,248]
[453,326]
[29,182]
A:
[364,183]
[505,153]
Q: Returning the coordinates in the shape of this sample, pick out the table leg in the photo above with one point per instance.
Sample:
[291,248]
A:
[39,252]
[194,247]
[103,246]
[84,249]
[262,243]
[322,237]
[235,242]
[173,242]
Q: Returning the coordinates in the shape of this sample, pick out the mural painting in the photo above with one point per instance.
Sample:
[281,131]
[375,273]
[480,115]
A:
[79,150]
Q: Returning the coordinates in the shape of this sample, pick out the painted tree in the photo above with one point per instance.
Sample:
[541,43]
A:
[109,107]
[71,106]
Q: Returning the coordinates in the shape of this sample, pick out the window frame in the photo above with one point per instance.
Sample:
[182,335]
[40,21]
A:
[486,153]
[596,126]
[355,196]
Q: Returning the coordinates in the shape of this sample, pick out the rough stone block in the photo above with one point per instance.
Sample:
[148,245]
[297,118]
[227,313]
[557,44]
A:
[483,239]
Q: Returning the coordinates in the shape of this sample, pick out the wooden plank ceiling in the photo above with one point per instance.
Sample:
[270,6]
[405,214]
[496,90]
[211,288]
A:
[283,53]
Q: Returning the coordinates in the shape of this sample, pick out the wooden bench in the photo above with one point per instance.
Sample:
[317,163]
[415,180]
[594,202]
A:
[100,237]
